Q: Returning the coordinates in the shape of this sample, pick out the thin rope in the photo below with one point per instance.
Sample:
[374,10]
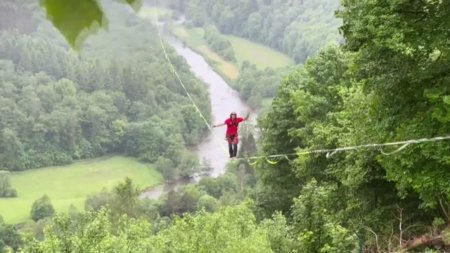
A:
[181,82]
[172,67]
[395,151]
[330,152]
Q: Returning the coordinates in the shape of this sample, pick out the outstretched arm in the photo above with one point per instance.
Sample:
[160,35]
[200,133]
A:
[246,116]
[219,125]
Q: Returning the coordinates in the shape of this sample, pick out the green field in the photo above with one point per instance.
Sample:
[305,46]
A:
[193,37]
[66,185]
[258,54]
[153,13]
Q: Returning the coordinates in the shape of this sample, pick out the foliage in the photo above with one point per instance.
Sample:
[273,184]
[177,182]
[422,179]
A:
[57,106]
[298,28]
[42,208]
[93,232]
[389,82]
[180,202]
[5,186]
[275,139]
[230,230]
[166,168]
[281,237]
[95,202]
[124,200]
[319,107]
[318,232]
[9,237]
[256,85]
[411,62]
[17,15]
[216,187]
[207,203]
[219,43]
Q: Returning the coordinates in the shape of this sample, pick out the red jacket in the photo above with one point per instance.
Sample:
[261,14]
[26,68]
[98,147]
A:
[232,128]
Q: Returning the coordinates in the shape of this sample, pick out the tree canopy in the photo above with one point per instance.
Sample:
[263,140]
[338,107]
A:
[298,28]
[58,106]
[388,82]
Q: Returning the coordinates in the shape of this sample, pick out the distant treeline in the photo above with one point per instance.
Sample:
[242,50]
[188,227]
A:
[17,15]
[219,43]
[297,27]
[258,87]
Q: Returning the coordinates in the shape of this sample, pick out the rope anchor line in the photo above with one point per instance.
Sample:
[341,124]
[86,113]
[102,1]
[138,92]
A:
[175,73]
[330,152]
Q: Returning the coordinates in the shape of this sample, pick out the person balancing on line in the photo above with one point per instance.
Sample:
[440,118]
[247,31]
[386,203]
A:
[232,124]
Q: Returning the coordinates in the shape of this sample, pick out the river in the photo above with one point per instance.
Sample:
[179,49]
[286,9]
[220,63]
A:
[223,101]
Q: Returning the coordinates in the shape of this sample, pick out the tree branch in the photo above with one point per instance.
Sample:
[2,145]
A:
[424,240]
[444,210]
[376,238]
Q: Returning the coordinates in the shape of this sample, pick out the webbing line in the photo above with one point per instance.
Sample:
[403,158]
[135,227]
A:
[172,67]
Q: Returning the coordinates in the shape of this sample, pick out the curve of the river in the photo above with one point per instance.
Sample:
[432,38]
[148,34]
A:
[223,101]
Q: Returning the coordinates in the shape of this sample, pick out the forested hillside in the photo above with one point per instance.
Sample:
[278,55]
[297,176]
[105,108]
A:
[297,27]
[115,96]
[389,82]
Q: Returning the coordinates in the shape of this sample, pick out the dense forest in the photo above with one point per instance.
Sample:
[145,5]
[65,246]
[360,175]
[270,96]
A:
[258,86]
[17,17]
[297,27]
[389,81]
[57,105]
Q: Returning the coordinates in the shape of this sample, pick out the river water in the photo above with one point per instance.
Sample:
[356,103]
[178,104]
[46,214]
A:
[214,148]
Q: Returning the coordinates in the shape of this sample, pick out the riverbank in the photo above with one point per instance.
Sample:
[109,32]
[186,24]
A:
[245,50]
[193,38]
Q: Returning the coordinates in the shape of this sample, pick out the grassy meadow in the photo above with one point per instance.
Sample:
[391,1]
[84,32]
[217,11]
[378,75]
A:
[66,185]
[260,55]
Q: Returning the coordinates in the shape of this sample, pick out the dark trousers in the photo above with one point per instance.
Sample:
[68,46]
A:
[232,145]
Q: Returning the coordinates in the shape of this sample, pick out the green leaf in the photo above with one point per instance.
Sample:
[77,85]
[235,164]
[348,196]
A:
[77,19]
[135,4]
